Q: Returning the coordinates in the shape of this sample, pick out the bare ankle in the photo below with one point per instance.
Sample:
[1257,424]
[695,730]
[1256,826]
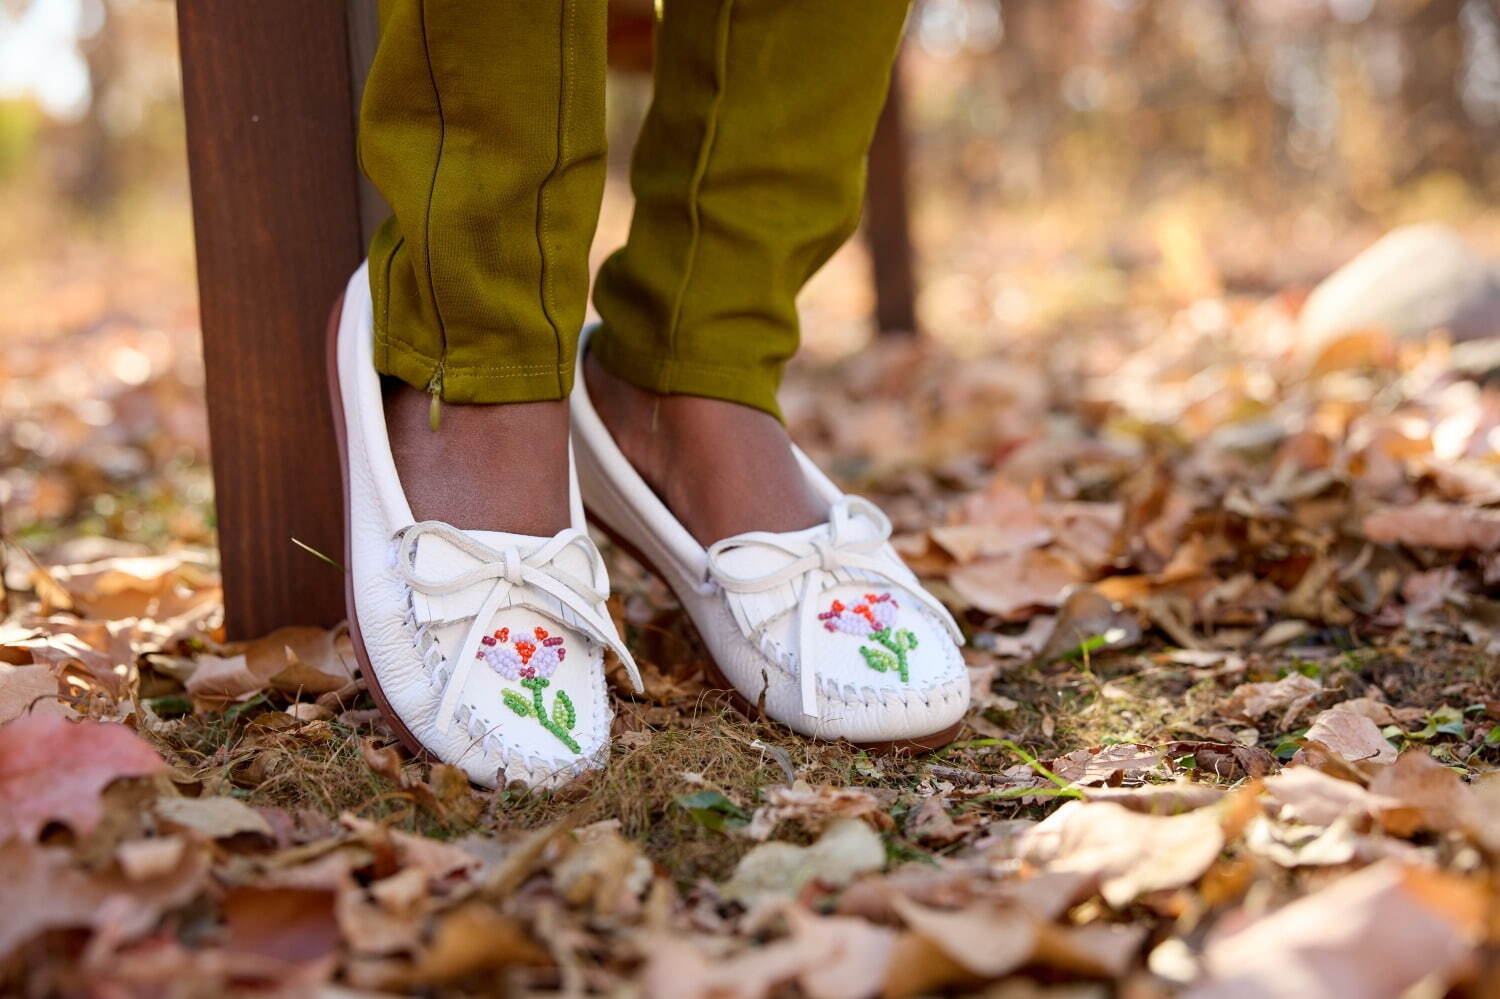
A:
[485,467]
[721,468]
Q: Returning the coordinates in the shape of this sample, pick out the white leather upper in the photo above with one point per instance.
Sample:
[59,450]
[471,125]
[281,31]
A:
[470,632]
[835,597]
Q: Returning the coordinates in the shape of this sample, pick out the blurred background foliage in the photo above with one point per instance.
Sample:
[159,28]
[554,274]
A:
[1072,160]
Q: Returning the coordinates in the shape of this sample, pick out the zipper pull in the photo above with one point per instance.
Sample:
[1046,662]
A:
[435,408]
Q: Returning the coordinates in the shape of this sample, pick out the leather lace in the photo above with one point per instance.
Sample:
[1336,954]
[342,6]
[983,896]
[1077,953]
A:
[521,578]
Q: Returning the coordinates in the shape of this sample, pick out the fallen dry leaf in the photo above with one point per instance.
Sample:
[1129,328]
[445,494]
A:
[293,925]
[1227,761]
[212,817]
[1373,934]
[847,849]
[300,660]
[53,770]
[1102,765]
[814,808]
[1127,853]
[31,689]
[1417,792]
[1289,696]
[219,681]
[1351,736]
[47,889]
[1435,525]
[1310,796]
[1011,586]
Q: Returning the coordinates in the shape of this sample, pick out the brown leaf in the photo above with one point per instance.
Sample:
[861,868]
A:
[919,966]
[967,542]
[985,941]
[1085,615]
[212,817]
[285,924]
[678,968]
[1290,695]
[814,808]
[473,939]
[153,586]
[148,859]
[30,689]
[773,870]
[300,659]
[1420,793]
[446,792]
[1098,950]
[1311,796]
[1161,799]
[1378,712]
[46,889]
[53,770]
[843,958]
[1090,532]
[930,823]
[1227,761]
[1430,524]
[219,681]
[1352,737]
[1373,934]
[1103,765]
[1128,853]
[1011,586]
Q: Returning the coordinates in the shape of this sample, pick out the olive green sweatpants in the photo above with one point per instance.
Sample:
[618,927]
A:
[483,127]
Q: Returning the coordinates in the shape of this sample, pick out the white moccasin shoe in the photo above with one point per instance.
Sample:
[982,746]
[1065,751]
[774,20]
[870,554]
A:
[826,627]
[484,649]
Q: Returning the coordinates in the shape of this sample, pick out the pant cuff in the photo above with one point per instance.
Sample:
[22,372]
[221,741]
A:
[674,376]
[474,385]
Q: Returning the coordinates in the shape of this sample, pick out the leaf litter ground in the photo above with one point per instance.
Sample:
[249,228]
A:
[1235,728]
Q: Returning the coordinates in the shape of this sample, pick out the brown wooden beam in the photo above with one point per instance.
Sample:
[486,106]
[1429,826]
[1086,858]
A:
[887,227]
[267,91]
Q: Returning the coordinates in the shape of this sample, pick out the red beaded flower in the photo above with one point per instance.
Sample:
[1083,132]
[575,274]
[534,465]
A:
[523,657]
[876,613]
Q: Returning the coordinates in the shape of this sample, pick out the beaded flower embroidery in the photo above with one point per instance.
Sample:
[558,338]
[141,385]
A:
[532,661]
[874,619]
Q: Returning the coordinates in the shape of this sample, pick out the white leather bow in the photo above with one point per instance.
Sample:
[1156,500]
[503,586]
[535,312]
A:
[519,577]
[815,561]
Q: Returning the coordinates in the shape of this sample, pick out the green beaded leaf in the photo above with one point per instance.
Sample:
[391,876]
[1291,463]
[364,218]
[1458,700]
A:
[905,640]
[516,703]
[563,715]
[879,659]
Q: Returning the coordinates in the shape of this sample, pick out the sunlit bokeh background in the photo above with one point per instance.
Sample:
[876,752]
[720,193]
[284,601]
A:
[1074,163]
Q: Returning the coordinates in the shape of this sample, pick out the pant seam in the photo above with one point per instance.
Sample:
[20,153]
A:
[381,306]
[543,289]
[700,170]
[437,167]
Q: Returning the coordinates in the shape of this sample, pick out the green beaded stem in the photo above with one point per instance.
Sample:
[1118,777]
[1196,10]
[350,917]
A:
[561,718]
[899,642]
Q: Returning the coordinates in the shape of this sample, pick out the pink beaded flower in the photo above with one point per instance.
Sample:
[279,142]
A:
[874,618]
[532,662]
[876,613]
[522,658]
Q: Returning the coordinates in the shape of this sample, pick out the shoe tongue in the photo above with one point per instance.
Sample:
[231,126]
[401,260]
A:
[437,557]
[750,558]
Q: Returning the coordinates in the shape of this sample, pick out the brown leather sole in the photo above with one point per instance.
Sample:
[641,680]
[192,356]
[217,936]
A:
[717,680]
[341,431]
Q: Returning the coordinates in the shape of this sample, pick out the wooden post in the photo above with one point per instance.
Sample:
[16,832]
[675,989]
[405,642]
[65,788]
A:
[267,90]
[888,218]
